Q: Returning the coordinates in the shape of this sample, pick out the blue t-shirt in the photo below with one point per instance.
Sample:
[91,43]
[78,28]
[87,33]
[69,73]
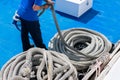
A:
[25,10]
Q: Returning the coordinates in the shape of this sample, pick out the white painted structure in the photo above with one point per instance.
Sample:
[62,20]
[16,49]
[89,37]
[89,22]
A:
[73,7]
[114,73]
[112,70]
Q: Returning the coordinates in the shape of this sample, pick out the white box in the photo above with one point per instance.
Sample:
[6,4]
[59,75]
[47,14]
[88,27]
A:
[73,7]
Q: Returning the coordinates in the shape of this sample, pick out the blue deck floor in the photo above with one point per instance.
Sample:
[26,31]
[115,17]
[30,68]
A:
[104,17]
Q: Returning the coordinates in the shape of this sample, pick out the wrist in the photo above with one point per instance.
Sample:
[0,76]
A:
[43,6]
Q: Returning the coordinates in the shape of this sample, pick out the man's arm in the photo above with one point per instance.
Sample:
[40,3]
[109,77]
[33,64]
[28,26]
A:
[36,7]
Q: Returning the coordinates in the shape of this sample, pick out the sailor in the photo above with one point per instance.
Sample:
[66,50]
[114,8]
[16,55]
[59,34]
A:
[27,13]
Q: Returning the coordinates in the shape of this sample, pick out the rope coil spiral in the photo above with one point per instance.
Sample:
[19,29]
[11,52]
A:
[39,64]
[92,44]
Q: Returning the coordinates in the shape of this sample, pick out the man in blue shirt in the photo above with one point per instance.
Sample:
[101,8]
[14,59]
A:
[28,11]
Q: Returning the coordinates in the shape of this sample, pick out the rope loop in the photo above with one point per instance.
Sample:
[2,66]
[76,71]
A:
[39,64]
[89,42]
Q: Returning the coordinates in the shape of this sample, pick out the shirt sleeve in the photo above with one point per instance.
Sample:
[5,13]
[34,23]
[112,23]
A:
[38,2]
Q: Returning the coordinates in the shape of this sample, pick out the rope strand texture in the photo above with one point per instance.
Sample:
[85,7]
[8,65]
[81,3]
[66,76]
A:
[39,64]
[91,43]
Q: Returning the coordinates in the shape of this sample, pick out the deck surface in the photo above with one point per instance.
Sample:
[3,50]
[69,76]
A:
[104,17]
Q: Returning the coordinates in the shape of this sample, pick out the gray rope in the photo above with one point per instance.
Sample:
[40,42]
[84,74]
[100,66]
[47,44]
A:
[40,64]
[86,41]
[65,42]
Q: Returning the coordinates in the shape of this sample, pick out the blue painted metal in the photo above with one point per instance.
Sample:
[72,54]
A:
[104,17]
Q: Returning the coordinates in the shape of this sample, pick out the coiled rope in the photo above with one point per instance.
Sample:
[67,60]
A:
[91,43]
[70,42]
[39,64]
